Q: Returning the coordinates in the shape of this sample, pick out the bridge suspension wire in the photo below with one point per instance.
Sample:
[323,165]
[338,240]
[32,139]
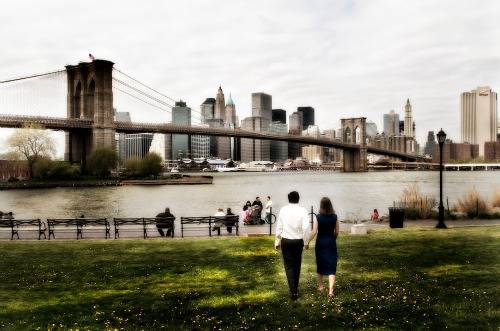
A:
[142,100]
[142,92]
[31,76]
[137,81]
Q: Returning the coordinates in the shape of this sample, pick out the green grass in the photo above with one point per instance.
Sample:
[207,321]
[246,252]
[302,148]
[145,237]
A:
[402,279]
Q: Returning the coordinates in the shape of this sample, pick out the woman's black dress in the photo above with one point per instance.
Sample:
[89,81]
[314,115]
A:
[326,247]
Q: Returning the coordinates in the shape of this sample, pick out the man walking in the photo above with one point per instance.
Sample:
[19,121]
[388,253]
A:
[292,235]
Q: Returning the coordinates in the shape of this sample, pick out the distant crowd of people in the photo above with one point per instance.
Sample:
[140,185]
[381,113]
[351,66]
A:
[252,212]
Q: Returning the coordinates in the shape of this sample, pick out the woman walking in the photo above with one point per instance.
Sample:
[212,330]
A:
[326,227]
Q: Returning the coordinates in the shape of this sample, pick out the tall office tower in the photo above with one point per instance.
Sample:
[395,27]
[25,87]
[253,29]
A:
[200,145]
[230,113]
[408,124]
[312,153]
[220,105]
[279,149]
[295,121]
[255,149]
[137,145]
[479,116]
[371,129]
[162,145]
[121,116]
[181,115]
[279,115]
[207,109]
[307,116]
[262,105]
[430,145]
[391,124]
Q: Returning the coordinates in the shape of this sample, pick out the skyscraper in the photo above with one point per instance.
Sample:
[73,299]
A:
[430,145]
[181,115]
[255,149]
[220,105]
[262,105]
[479,116]
[279,115]
[207,109]
[296,123]
[279,149]
[391,124]
[230,113]
[408,124]
[307,116]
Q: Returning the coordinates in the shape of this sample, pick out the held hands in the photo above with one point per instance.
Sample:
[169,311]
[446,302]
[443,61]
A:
[306,246]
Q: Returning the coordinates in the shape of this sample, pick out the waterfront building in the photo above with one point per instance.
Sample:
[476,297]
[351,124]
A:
[307,116]
[181,115]
[162,145]
[137,145]
[457,152]
[279,115]
[332,154]
[255,149]
[262,105]
[312,153]
[492,151]
[279,149]
[479,118]
[430,145]
[391,124]
[120,137]
[200,145]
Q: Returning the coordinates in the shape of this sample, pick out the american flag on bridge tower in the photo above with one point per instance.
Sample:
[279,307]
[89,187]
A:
[91,57]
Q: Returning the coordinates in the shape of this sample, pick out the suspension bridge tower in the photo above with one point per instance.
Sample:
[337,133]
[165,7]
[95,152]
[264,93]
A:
[354,132]
[90,97]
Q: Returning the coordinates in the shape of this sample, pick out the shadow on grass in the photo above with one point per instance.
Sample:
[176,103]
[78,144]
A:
[401,280]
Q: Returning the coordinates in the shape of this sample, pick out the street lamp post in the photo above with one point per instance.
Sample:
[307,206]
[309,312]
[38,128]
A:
[441,136]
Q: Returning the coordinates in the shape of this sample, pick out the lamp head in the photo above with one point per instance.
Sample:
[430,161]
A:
[441,137]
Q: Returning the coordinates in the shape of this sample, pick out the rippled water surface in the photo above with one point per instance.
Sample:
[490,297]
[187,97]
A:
[352,193]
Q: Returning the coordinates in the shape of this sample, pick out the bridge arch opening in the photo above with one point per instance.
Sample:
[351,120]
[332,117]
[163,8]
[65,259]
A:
[91,99]
[77,101]
[357,135]
[347,135]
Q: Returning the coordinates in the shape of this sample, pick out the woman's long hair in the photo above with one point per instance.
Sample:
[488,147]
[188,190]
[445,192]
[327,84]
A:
[326,207]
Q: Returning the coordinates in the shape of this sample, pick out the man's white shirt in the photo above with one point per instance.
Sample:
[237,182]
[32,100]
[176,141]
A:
[269,204]
[293,223]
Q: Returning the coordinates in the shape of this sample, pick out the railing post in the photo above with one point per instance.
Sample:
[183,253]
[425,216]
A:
[270,220]
[312,215]
[144,227]
[210,226]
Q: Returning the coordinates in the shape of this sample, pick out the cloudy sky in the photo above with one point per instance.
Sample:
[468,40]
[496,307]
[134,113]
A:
[344,58]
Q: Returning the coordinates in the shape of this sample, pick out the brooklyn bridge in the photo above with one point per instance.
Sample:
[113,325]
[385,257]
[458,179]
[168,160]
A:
[90,124]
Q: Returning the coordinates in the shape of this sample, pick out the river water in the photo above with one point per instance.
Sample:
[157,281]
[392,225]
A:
[354,194]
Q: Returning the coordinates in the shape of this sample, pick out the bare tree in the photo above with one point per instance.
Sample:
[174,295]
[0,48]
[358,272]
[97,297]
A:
[32,142]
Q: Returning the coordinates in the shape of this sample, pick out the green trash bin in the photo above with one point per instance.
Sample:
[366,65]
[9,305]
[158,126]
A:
[396,217]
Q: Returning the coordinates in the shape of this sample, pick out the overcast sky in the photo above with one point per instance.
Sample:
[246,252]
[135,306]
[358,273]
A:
[344,58]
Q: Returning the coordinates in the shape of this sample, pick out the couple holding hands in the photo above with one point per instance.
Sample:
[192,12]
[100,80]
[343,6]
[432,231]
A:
[293,234]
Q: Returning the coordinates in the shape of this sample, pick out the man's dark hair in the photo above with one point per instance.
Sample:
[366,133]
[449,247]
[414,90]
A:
[269,197]
[256,198]
[293,197]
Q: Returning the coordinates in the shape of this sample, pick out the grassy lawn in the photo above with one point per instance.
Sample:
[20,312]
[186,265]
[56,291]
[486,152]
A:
[399,280]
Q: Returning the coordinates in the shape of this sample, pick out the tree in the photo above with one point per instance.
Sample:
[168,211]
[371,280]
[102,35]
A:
[133,167]
[151,165]
[32,142]
[102,161]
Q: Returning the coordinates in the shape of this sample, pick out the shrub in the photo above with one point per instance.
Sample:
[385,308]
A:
[42,167]
[63,170]
[473,204]
[151,165]
[132,167]
[101,161]
[416,204]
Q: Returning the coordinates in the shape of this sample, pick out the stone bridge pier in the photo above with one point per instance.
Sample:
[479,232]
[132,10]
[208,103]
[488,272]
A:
[354,132]
[90,96]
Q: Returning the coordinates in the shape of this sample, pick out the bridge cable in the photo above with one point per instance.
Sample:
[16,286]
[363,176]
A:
[152,89]
[31,76]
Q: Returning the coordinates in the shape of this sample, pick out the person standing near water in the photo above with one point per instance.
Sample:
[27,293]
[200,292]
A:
[292,236]
[326,227]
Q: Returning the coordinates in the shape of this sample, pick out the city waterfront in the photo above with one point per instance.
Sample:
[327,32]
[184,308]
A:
[354,194]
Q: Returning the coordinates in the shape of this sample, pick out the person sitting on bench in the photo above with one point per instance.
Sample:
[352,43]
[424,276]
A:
[229,226]
[164,224]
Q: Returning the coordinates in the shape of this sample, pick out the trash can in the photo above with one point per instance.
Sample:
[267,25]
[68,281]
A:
[396,217]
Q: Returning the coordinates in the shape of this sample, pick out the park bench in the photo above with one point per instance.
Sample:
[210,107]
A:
[194,223]
[15,225]
[167,223]
[79,224]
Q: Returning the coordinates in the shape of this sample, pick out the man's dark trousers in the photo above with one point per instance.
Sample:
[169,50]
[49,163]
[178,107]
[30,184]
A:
[292,258]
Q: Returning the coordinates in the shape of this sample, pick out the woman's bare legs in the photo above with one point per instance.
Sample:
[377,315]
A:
[331,284]
[320,283]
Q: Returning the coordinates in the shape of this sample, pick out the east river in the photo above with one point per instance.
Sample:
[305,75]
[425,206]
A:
[354,194]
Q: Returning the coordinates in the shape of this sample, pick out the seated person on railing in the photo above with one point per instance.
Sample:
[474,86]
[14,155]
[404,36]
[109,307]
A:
[166,224]
[229,226]
[219,217]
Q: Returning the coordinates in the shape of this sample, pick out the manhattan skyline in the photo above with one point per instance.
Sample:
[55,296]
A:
[347,59]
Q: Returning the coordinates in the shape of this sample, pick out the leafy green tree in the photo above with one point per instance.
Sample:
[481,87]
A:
[32,142]
[151,165]
[101,161]
[42,167]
